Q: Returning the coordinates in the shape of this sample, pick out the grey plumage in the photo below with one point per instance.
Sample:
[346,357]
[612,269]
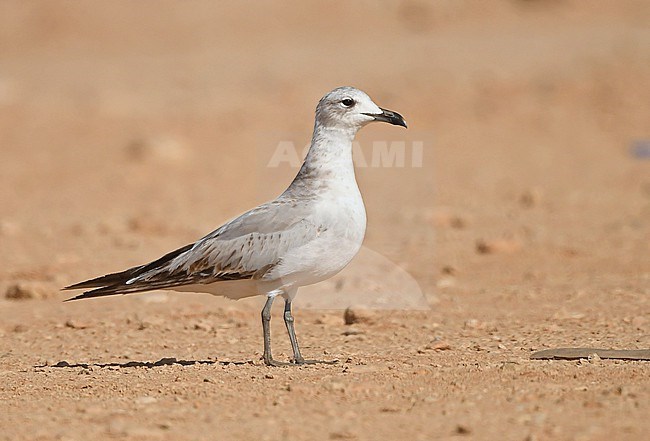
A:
[247,247]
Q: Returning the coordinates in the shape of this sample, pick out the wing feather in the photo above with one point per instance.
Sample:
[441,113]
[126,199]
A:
[245,248]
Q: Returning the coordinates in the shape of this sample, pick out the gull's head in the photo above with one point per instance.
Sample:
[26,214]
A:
[348,108]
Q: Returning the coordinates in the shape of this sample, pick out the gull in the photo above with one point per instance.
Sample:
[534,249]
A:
[306,235]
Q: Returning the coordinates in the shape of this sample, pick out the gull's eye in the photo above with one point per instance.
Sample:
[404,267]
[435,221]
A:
[348,102]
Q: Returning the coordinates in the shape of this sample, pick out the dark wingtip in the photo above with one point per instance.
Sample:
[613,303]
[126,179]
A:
[122,277]
[99,292]
[89,295]
[96,282]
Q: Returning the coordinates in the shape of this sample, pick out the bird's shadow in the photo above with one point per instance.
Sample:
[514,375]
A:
[170,361]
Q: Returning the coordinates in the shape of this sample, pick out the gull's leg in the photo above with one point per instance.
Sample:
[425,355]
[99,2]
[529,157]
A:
[288,321]
[266,328]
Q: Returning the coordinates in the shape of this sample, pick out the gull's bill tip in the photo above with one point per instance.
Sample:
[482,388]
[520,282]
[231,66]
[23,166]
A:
[389,116]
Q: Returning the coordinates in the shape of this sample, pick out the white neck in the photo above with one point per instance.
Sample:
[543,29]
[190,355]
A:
[329,159]
[331,149]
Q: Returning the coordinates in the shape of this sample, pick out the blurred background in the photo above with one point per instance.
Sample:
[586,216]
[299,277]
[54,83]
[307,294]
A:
[128,128]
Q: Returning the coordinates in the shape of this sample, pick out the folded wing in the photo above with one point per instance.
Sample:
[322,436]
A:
[245,248]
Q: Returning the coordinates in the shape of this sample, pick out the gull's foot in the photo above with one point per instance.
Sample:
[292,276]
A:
[297,362]
[302,361]
[275,363]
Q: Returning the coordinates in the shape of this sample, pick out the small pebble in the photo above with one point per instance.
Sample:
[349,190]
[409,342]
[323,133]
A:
[75,324]
[463,430]
[498,246]
[353,316]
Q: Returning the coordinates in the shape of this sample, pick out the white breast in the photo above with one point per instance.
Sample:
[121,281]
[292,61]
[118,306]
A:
[342,217]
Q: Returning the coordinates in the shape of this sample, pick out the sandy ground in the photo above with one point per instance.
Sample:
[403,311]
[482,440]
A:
[130,128]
